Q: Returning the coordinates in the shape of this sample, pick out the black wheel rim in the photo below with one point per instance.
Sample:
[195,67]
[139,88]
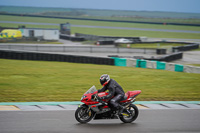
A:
[131,115]
[84,114]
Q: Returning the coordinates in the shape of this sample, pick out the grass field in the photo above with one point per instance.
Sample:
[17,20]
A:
[153,45]
[109,32]
[28,81]
[117,32]
[198,65]
[134,33]
[95,23]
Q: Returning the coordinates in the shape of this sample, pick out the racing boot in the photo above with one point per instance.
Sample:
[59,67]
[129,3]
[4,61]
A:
[114,113]
[120,109]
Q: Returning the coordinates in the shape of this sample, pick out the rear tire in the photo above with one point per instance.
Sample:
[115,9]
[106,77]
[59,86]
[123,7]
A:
[83,115]
[134,114]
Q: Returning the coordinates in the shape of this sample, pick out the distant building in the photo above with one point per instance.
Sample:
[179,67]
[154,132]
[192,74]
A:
[40,34]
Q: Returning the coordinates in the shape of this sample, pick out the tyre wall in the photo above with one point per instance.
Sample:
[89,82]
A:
[54,57]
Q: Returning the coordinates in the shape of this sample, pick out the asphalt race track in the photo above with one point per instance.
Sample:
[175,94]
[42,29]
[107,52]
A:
[149,121]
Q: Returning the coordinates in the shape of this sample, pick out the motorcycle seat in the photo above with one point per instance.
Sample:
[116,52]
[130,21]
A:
[126,95]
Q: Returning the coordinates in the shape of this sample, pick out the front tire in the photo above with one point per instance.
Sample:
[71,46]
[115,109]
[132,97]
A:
[134,114]
[83,114]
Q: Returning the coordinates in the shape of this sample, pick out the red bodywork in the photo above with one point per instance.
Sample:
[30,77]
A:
[88,97]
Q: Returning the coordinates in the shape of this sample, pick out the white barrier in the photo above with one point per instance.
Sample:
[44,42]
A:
[191,69]
[151,64]
[131,62]
[170,66]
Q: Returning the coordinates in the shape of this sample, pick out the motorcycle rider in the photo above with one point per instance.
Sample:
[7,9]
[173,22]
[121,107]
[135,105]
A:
[114,90]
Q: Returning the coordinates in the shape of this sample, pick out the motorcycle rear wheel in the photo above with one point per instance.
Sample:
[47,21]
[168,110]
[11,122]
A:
[83,114]
[134,114]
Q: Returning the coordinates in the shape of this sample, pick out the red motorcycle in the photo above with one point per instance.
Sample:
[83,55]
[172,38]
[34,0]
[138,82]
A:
[96,108]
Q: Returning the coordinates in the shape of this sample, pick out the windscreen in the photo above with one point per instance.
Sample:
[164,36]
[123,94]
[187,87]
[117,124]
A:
[91,90]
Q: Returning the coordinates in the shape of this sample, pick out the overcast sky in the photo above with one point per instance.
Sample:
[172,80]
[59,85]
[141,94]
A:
[191,6]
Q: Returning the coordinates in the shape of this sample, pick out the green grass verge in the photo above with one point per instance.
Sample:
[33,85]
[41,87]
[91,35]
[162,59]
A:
[153,45]
[134,33]
[196,49]
[33,81]
[198,65]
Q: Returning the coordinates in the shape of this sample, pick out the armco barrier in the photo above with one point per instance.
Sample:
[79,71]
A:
[54,57]
[66,48]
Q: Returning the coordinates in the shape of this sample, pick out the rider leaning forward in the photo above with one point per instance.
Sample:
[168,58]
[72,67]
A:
[115,94]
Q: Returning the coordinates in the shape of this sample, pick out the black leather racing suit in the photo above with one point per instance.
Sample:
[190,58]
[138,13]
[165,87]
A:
[114,90]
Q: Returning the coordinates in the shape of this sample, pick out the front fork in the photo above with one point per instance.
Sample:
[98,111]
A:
[87,111]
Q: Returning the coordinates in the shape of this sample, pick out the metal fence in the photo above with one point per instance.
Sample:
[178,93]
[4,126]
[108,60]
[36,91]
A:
[64,48]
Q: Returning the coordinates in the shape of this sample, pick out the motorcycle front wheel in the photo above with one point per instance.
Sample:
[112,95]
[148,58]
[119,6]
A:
[83,114]
[132,116]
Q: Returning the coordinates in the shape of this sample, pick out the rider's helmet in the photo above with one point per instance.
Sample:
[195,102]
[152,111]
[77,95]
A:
[104,79]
